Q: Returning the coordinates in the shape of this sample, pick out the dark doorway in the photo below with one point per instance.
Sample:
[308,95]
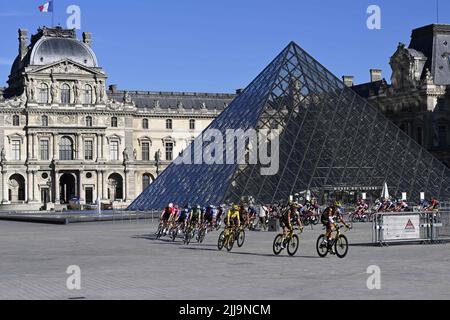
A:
[17,188]
[45,195]
[115,187]
[67,188]
[89,195]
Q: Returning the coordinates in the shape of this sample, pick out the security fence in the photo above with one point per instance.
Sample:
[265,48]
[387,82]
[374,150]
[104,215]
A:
[425,227]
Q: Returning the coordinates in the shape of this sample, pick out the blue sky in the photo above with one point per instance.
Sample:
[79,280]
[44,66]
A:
[219,46]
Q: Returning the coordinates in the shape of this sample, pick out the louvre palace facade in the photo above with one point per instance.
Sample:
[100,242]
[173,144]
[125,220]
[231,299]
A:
[65,135]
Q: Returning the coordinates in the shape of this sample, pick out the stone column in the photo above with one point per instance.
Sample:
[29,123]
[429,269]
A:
[104,186]
[81,192]
[29,147]
[5,199]
[55,149]
[125,185]
[34,146]
[28,188]
[80,146]
[99,185]
[95,148]
[33,185]
[56,186]
[103,147]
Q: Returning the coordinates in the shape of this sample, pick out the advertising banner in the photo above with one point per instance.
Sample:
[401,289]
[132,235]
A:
[401,227]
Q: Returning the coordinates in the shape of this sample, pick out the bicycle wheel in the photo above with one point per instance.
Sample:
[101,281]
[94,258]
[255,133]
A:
[321,246]
[278,244]
[201,235]
[221,240]
[229,241]
[341,246]
[241,238]
[173,234]
[159,232]
[316,220]
[293,244]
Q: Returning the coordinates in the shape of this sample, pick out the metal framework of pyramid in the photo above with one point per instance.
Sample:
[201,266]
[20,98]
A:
[330,138]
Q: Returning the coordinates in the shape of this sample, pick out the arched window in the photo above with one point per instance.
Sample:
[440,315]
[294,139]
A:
[145,124]
[169,124]
[43,93]
[66,149]
[114,122]
[146,180]
[87,94]
[44,121]
[192,124]
[65,94]
[89,121]
[16,121]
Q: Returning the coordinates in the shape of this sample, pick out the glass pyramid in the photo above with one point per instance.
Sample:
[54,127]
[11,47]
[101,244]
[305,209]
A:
[329,139]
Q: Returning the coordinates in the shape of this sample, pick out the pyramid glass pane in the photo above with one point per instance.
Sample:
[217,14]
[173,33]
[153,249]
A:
[329,139]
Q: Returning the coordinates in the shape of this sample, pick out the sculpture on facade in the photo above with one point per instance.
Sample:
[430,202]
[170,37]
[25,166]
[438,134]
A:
[3,155]
[30,90]
[126,156]
[54,91]
[77,92]
[127,97]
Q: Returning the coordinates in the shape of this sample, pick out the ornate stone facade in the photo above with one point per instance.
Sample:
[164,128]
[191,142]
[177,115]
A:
[418,99]
[63,136]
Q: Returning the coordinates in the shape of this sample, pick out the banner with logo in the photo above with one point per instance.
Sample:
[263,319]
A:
[401,227]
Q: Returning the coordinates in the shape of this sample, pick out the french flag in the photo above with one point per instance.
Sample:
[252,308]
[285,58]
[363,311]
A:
[46,7]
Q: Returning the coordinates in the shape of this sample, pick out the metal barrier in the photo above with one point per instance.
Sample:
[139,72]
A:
[425,227]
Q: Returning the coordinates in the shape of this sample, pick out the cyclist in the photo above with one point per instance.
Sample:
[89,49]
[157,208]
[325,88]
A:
[234,217]
[243,214]
[166,215]
[434,205]
[330,217]
[286,220]
[183,216]
[209,216]
[195,218]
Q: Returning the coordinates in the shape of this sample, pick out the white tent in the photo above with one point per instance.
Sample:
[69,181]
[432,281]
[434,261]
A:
[385,192]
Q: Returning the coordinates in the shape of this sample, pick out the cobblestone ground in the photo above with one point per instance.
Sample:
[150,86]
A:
[122,261]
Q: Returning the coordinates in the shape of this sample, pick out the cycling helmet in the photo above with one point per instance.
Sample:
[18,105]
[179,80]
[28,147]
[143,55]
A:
[236,207]
[337,204]
[170,205]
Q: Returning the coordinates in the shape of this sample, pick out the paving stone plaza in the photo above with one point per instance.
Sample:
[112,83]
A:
[121,261]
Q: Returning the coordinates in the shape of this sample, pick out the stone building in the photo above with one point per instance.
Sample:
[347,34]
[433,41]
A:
[418,97]
[65,136]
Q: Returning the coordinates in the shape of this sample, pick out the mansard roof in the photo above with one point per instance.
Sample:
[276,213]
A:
[174,100]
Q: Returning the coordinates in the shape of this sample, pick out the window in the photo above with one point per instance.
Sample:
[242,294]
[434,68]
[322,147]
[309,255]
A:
[88,121]
[169,124]
[169,151]
[146,151]
[89,150]
[65,94]
[192,124]
[87,94]
[43,93]
[66,149]
[114,150]
[15,150]
[44,121]
[43,146]
[145,124]
[146,180]
[16,121]
[114,122]
[442,136]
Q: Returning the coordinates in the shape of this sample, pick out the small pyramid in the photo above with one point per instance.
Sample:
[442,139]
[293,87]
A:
[329,137]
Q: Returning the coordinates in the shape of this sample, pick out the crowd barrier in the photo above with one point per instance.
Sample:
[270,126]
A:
[425,227]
